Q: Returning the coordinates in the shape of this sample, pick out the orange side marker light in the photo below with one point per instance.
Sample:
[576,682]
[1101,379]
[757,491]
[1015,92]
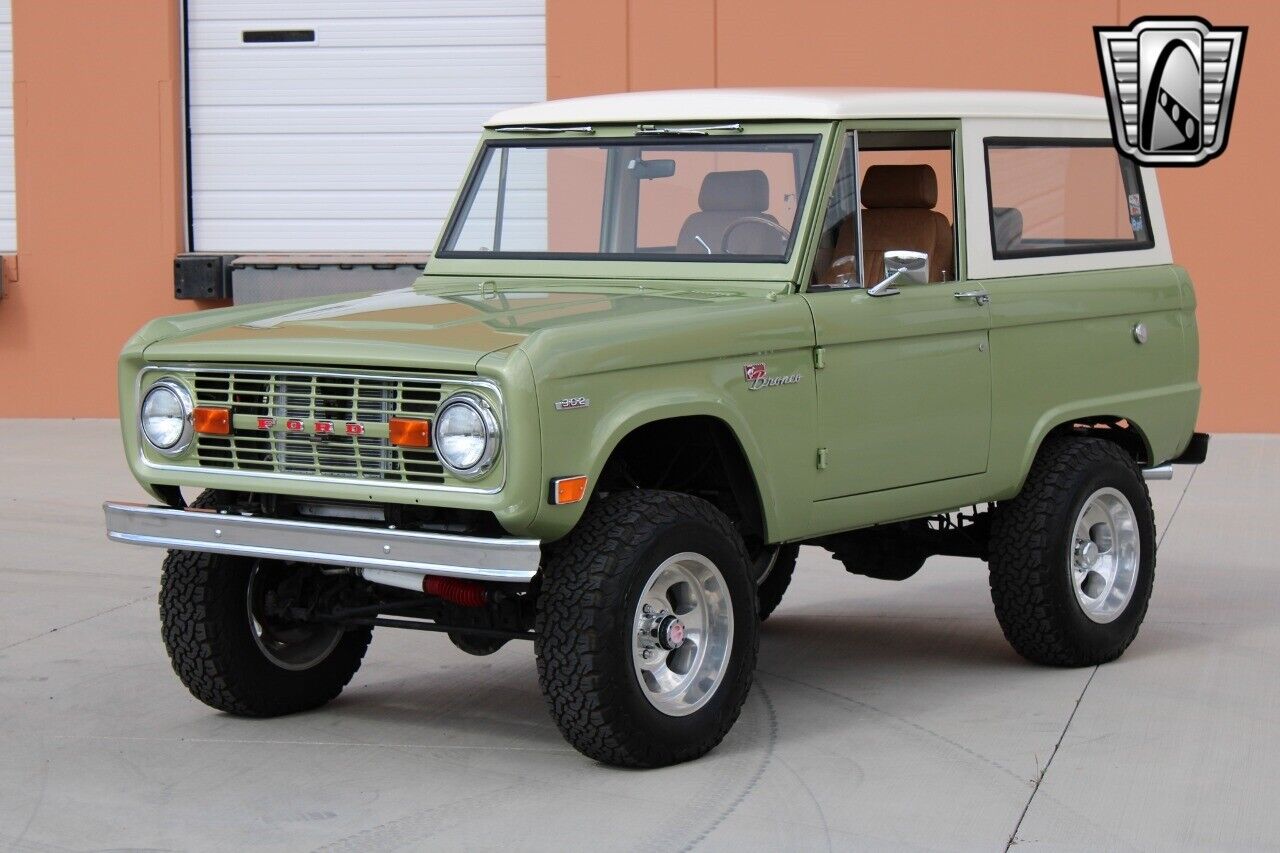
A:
[568,490]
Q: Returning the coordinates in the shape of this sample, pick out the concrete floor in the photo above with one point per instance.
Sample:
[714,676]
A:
[884,715]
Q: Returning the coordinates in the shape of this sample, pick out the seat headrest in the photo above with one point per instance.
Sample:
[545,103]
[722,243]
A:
[744,190]
[1007,224]
[900,186]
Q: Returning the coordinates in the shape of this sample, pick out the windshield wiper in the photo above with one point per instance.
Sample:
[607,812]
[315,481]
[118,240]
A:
[656,130]
[586,128]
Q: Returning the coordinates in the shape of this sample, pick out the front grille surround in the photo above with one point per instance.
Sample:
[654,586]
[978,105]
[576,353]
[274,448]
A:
[336,396]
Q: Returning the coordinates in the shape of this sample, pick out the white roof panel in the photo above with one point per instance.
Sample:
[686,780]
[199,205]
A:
[818,103]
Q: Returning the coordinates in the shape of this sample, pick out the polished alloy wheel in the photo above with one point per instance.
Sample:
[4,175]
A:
[1105,555]
[291,646]
[683,633]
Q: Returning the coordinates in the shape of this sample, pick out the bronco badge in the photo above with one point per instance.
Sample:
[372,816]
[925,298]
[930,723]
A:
[757,377]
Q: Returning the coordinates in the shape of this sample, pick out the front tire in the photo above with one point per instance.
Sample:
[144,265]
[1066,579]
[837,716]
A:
[234,657]
[647,630]
[1072,557]
[775,583]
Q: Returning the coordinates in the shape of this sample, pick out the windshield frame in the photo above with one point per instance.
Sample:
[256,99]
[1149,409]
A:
[639,265]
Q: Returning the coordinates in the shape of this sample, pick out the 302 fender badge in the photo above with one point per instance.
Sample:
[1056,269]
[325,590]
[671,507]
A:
[570,403]
[757,377]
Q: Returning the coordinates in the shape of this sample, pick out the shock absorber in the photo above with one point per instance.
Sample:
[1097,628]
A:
[457,591]
[463,593]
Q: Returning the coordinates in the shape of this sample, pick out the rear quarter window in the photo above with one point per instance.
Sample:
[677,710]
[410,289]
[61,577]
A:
[1051,197]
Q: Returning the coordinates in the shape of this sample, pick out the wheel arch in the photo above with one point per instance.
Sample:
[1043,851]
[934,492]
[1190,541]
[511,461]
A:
[625,459]
[723,466]
[1118,429]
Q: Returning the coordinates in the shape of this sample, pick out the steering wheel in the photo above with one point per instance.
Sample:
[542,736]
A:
[752,220]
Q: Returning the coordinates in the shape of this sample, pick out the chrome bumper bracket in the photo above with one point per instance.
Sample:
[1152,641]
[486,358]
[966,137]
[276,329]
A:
[446,555]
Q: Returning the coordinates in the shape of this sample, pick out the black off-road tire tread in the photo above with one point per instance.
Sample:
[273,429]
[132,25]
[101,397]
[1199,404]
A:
[203,659]
[1020,569]
[775,585]
[581,588]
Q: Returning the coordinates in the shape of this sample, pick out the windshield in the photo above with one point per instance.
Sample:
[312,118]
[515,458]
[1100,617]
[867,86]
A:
[634,199]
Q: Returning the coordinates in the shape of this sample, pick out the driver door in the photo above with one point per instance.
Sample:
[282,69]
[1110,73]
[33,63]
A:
[904,391]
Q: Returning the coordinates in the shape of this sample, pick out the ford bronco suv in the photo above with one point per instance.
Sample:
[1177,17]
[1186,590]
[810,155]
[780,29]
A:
[664,340]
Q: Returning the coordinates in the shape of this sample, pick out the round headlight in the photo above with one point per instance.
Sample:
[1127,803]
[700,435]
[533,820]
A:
[465,434]
[165,417]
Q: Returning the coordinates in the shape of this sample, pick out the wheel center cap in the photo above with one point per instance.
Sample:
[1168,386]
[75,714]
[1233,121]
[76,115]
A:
[671,633]
[1086,554]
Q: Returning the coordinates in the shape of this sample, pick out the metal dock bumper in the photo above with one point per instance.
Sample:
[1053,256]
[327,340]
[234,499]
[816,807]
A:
[415,552]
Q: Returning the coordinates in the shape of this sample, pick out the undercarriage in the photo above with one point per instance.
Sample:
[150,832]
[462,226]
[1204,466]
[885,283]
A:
[480,618]
[897,551]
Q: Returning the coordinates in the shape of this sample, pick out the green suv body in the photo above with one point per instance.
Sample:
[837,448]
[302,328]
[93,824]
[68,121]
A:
[664,339]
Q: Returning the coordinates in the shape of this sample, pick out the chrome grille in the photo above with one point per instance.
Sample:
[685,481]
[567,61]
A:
[338,398]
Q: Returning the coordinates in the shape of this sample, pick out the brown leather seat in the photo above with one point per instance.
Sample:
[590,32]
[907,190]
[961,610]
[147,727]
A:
[726,198]
[898,214]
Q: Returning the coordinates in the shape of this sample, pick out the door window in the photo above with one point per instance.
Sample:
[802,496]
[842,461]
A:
[902,200]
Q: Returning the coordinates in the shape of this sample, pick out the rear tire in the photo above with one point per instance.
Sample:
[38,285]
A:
[1072,557]
[624,684]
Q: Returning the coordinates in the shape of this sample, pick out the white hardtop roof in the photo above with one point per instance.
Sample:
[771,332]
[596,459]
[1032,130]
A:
[686,105]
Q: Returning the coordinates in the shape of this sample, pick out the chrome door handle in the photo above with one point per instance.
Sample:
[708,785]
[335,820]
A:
[979,296]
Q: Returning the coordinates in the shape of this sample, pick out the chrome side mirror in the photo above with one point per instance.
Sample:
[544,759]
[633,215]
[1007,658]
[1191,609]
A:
[913,265]
[901,265]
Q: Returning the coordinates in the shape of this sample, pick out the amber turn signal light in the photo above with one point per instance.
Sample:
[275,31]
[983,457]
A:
[409,433]
[568,490]
[212,421]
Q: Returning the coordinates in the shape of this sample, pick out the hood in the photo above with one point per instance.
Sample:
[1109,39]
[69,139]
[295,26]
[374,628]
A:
[449,327]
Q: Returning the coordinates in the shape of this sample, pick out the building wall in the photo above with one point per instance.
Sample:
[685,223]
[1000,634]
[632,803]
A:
[1220,215]
[99,153]
[100,209]
[8,219]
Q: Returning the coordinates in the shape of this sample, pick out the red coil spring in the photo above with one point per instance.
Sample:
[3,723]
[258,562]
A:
[456,591]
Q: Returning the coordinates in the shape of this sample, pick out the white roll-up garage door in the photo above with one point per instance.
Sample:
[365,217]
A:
[8,215]
[331,125]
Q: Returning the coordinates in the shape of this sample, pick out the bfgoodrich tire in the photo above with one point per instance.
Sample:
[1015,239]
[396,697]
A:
[1072,557]
[776,582]
[646,629]
[239,661]
[233,663]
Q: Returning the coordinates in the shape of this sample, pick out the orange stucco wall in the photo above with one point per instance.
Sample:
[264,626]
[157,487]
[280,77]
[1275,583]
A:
[99,152]
[1221,216]
[98,145]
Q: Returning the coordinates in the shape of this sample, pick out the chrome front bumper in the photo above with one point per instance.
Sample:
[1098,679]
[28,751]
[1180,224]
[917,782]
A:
[472,557]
